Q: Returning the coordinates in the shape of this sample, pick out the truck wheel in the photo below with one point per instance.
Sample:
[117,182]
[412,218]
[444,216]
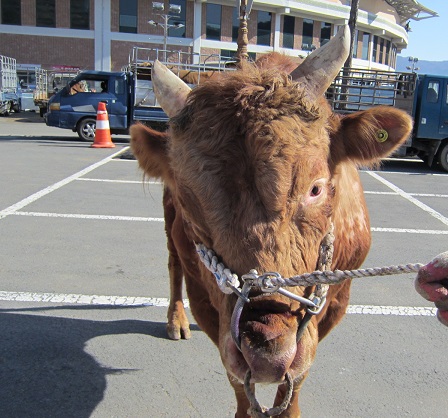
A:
[442,156]
[7,110]
[86,129]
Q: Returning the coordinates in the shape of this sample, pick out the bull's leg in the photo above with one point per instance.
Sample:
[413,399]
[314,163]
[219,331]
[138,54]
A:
[242,402]
[178,325]
[206,315]
[335,309]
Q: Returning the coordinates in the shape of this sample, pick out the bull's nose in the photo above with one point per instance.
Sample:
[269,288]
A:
[269,363]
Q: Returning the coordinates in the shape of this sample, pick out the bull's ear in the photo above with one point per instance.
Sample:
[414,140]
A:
[367,136]
[150,147]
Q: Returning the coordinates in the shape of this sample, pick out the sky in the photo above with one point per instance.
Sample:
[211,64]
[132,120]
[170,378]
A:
[428,39]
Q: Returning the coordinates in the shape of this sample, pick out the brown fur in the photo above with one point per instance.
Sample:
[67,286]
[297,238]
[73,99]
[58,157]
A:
[257,169]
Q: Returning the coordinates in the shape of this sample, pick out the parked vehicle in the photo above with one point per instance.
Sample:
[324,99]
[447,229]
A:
[128,94]
[9,98]
[49,82]
[424,97]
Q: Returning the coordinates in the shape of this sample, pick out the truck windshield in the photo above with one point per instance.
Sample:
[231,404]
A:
[432,96]
[89,86]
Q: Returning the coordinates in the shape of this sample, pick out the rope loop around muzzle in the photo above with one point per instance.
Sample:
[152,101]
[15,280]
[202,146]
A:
[258,411]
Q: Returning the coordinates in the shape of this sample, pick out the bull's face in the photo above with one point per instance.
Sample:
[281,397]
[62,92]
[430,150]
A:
[251,160]
[255,186]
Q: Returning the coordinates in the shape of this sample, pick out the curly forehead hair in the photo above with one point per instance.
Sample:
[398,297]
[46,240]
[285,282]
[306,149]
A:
[248,96]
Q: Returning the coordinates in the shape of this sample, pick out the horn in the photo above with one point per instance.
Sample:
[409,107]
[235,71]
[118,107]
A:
[321,67]
[171,92]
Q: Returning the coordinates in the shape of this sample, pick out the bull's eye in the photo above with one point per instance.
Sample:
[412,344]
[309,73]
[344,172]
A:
[316,190]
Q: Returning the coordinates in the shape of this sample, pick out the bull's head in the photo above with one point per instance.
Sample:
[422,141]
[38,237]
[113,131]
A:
[259,167]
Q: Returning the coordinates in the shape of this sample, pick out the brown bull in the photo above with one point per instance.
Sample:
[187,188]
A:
[258,168]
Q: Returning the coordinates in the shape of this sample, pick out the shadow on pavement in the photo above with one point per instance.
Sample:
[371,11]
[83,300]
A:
[25,117]
[44,369]
[411,165]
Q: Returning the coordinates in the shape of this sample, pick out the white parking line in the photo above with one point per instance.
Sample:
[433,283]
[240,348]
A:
[81,216]
[409,198]
[83,299]
[120,181]
[410,231]
[410,194]
[30,199]
[144,219]
[391,310]
[110,181]
[77,299]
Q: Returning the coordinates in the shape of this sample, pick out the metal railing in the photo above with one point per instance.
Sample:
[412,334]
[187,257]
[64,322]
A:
[187,65]
[8,75]
[359,89]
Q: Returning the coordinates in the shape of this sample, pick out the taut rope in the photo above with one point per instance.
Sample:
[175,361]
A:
[271,280]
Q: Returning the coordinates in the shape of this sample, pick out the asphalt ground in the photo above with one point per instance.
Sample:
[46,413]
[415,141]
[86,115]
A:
[84,288]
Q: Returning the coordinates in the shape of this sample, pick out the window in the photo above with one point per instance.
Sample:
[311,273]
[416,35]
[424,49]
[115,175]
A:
[375,48]
[213,21]
[307,34]
[89,86]
[119,86]
[393,56]
[264,28]
[227,53]
[355,46]
[380,60]
[325,33]
[178,19]
[27,78]
[387,53]
[128,16]
[45,13]
[79,14]
[235,24]
[432,95]
[365,46]
[11,12]
[288,31]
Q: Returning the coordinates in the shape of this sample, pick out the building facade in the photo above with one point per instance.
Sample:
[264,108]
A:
[99,34]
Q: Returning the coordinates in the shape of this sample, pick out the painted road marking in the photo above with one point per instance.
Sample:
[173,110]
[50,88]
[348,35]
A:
[81,216]
[119,181]
[144,219]
[410,231]
[30,199]
[63,298]
[409,198]
[410,194]
[391,310]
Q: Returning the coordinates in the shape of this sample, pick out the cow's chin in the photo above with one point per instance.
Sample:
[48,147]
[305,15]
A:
[268,365]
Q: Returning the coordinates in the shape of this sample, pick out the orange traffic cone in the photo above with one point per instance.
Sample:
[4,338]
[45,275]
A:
[102,131]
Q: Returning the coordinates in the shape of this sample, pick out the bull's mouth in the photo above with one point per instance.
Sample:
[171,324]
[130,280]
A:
[269,348]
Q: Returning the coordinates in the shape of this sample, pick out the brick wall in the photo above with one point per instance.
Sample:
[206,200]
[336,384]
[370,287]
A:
[48,51]
[28,12]
[63,13]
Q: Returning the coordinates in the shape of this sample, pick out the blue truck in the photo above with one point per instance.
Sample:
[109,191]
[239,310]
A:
[128,94]
[424,97]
